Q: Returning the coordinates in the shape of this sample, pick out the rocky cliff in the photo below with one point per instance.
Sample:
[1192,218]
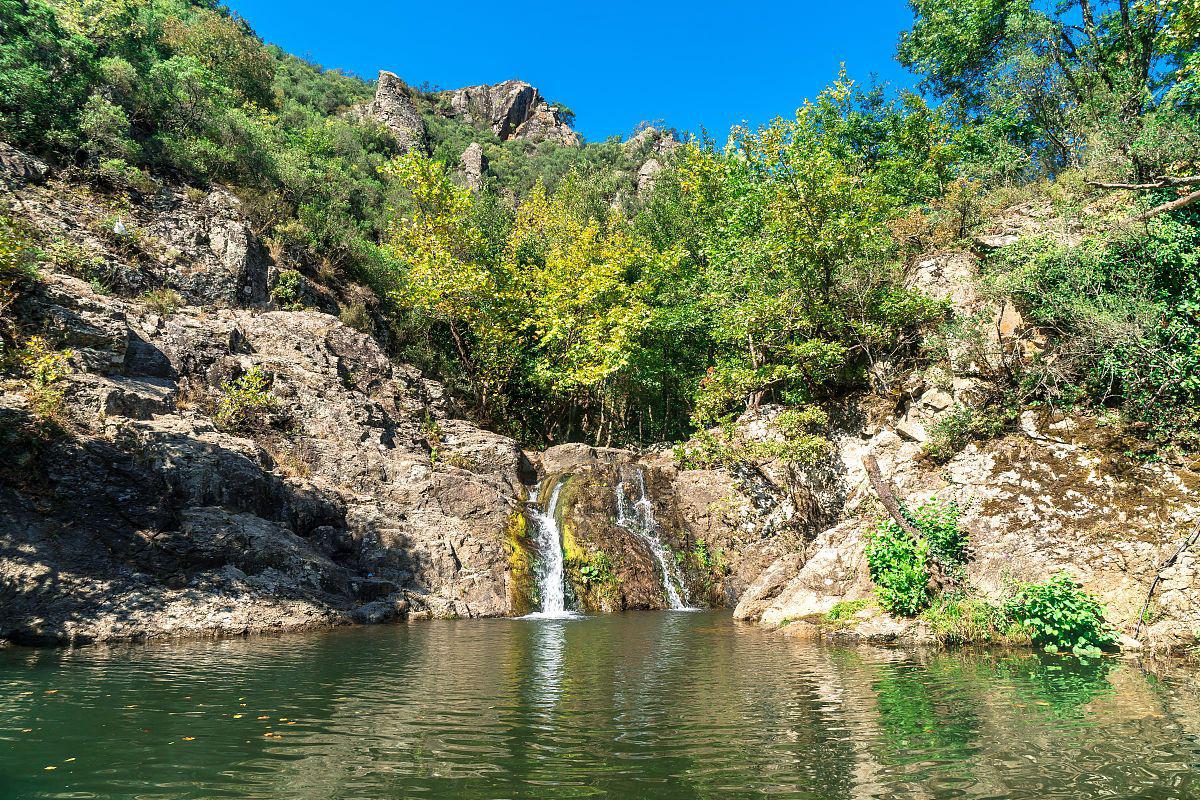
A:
[141,509]
[511,110]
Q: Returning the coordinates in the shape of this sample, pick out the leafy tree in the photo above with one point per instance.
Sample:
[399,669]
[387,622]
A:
[45,73]
[801,286]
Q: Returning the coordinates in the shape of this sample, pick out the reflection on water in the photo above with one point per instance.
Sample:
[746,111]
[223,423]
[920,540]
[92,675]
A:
[624,706]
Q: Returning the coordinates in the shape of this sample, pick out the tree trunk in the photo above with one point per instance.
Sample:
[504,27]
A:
[938,578]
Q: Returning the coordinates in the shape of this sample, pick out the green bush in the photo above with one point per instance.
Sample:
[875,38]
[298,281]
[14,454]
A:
[951,432]
[899,564]
[1060,616]
[289,290]
[247,404]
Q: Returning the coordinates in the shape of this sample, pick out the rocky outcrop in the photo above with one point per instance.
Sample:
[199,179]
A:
[394,107]
[18,168]
[1062,493]
[473,164]
[197,244]
[359,498]
[646,175]
[511,110]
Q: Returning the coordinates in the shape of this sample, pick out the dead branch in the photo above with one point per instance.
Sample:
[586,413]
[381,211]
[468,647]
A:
[1164,182]
[1173,205]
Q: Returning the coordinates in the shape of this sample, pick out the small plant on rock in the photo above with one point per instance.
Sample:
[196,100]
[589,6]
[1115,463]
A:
[1060,616]
[164,302]
[247,404]
[289,290]
[45,368]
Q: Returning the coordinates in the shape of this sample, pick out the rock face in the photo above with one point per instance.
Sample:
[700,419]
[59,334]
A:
[1061,494]
[199,245]
[473,164]
[394,107]
[360,500]
[511,110]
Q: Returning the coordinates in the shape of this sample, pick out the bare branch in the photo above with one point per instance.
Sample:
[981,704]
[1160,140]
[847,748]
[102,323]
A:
[1165,182]
[1173,205]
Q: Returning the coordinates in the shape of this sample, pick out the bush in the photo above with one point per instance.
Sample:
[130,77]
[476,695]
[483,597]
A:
[957,427]
[247,404]
[289,290]
[1060,616]
[899,564]
[44,369]
[164,302]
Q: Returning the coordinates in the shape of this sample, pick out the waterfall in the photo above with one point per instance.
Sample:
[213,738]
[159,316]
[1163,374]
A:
[551,582]
[637,516]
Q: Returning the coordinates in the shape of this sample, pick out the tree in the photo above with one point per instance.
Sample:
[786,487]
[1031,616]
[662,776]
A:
[1047,79]
[799,276]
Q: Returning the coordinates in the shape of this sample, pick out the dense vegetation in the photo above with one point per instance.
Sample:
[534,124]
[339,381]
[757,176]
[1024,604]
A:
[562,303]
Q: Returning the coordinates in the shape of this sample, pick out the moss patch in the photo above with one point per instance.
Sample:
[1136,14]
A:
[522,585]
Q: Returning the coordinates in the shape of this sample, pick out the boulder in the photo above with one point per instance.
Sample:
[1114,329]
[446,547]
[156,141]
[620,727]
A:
[17,167]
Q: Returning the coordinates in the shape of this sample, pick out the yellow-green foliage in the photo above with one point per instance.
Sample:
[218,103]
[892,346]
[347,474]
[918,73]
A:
[247,404]
[796,441]
[44,370]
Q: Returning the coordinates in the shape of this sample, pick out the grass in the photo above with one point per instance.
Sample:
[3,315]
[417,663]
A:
[967,620]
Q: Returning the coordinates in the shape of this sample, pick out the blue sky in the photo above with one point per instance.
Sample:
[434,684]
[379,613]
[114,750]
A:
[615,64]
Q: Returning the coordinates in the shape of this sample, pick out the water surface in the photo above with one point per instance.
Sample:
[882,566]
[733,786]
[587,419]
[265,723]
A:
[671,705]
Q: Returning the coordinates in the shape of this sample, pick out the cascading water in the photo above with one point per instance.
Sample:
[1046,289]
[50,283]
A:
[551,583]
[637,516]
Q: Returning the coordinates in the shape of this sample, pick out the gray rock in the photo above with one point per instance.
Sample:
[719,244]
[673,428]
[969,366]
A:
[511,110]
[646,175]
[17,167]
[473,164]
[394,107]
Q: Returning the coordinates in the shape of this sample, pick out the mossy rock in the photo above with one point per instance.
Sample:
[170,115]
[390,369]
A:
[522,582]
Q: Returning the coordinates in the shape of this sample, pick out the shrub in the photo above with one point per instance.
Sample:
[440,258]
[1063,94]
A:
[247,404]
[289,290]
[44,368]
[164,302]
[1060,616]
[958,426]
[899,564]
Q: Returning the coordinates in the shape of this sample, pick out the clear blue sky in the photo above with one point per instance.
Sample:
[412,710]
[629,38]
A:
[615,64]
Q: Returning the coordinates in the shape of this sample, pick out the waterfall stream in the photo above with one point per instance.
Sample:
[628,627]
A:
[551,583]
[637,516]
